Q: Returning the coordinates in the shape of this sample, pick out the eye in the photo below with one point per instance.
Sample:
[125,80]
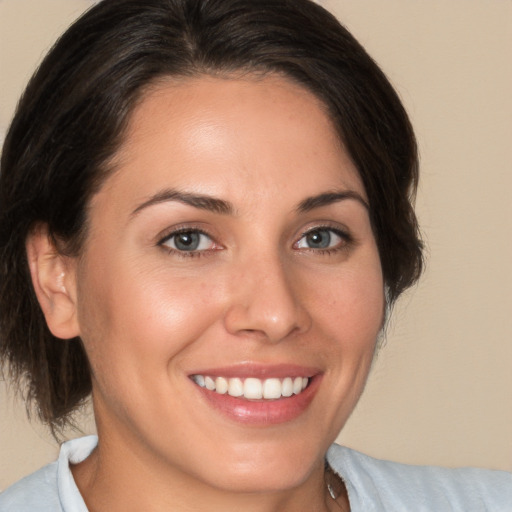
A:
[322,239]
[191,240]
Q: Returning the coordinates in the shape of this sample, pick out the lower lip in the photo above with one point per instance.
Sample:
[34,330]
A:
[262,412]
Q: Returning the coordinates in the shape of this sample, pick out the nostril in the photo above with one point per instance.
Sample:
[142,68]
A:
[266,306]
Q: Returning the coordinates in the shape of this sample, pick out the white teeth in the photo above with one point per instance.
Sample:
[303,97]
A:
[236,387]
[209,383]
[297,385]
[252,388]
[221,385]
[272,388]
[199,380]
[287,389]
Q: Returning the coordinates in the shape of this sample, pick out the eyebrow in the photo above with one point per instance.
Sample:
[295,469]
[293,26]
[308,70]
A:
[203,202]
[215,205]
[329,198]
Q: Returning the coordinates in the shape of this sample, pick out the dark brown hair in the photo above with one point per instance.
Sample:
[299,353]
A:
[71,118]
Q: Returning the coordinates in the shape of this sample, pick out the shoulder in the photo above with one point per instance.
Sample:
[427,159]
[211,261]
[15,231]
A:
[37,492]
[52,488]
[382,485]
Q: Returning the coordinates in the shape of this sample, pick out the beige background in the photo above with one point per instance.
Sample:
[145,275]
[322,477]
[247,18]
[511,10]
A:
[441,389]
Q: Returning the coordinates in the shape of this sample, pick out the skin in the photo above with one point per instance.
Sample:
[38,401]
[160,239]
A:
[255,292]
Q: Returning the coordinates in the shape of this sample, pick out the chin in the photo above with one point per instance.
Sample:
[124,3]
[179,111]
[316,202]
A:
[264,468]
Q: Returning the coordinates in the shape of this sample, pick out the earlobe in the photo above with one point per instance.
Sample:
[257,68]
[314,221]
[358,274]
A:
[53,278]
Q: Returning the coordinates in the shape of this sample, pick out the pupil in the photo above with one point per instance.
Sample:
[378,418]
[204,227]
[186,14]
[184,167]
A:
[188,241]
[319,239]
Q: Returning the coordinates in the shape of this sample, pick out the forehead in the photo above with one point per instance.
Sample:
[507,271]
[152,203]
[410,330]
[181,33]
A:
[220,134]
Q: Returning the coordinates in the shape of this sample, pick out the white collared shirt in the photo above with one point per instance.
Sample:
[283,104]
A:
[373,485]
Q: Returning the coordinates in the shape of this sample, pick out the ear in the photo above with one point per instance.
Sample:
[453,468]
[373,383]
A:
[53,278]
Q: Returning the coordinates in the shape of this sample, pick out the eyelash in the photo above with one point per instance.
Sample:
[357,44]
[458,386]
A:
[346,238]
[187,254]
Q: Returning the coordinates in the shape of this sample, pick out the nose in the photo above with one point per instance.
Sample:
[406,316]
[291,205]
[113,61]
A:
[265,302]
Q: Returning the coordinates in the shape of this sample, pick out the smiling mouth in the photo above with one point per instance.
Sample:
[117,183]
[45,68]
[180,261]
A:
[252,388]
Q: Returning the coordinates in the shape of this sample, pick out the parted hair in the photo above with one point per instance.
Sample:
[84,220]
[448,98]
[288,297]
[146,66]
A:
[72,117]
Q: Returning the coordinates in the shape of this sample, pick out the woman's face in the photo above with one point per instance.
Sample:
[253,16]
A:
[231,247]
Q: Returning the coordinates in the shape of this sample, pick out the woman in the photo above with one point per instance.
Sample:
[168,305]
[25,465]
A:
[206,213]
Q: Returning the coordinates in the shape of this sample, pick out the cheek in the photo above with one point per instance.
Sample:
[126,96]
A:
[350,308]
[132,318]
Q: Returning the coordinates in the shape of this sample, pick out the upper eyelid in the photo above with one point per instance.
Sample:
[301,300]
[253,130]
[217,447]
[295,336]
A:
[163,241]
[347,238]
[179,232]
[167,234]
[342,230]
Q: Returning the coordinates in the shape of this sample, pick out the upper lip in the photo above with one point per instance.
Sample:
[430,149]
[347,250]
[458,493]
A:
[258,370]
